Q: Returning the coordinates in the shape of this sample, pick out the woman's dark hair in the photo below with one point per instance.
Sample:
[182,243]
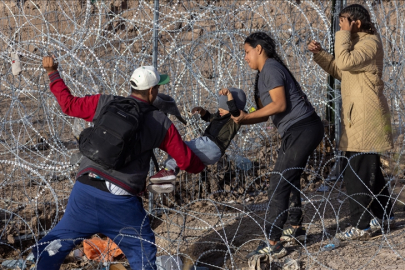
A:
[269,46]
[358,12]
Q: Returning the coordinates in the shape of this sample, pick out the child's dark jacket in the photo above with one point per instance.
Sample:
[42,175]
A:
[221,130]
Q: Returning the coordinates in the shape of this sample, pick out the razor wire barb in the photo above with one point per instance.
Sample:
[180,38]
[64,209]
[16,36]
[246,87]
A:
[215,218]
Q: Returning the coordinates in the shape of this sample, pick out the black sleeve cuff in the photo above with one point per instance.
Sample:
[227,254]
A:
[207,116]
[54,76]
[232,108]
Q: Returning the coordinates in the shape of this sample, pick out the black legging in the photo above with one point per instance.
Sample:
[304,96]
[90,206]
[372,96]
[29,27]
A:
[298,142]
[363,177]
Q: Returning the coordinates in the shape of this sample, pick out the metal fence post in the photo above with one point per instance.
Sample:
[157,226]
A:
[336,83]
[334,109]
[338,101]
[155,33]
[155,39]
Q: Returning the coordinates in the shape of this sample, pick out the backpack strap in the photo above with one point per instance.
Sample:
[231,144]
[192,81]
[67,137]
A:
[155,161]
[153,157]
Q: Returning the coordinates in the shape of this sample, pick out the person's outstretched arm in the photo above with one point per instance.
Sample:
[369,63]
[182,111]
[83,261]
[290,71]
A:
[277,105]
[325,60]
[81,107]
[177,149]
[205,114]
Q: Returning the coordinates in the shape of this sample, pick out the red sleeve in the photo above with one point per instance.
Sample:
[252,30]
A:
[82,107]
[177,149]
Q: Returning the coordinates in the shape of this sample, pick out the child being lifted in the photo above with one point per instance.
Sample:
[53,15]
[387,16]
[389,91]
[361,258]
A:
[212,145]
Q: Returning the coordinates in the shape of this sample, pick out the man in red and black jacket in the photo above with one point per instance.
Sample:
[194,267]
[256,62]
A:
[105,201]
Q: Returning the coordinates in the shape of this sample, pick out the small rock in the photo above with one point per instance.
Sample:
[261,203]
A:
[10,239]
[117,3]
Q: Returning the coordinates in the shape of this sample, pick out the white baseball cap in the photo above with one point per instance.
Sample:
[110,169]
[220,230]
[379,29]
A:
[146,77]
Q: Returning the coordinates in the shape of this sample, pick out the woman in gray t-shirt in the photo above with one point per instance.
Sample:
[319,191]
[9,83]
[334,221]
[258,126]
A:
[278,95]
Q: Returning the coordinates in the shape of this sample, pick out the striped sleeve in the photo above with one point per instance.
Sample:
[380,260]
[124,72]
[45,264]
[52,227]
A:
[54,76]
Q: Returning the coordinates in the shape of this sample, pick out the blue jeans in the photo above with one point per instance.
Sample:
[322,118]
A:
[90,211]
[204,148]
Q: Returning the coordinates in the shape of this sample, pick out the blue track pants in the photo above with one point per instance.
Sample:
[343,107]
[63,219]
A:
[90,211]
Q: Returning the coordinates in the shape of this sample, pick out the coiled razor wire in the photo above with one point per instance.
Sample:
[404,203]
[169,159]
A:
[215,218]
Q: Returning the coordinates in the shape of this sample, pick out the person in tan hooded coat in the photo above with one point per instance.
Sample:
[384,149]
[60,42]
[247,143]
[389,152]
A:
[366,120]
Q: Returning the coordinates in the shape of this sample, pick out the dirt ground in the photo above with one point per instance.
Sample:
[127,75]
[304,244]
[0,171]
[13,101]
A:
[242,234]
[223,241]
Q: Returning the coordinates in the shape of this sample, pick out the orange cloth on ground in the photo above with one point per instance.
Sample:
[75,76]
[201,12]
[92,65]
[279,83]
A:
[101,250]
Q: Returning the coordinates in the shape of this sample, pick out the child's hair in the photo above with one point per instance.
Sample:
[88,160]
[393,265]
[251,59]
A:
[358,12]
[269,46]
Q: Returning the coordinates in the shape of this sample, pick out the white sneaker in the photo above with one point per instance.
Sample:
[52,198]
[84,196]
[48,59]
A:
[161,188]
[354,233]
[375,223]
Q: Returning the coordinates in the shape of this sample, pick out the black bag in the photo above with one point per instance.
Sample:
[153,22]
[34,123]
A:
[114,140]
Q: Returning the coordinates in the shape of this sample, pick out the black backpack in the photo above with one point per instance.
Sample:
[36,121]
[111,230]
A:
[114,140]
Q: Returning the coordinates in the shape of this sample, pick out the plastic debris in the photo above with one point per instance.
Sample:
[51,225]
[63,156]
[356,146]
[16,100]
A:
[291,264]
[15,64]
[30,257]
[331,178]
[30,260]
[77,254]
[243,163]
[334,243]
[323,188]
[167,262]
[13,264]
